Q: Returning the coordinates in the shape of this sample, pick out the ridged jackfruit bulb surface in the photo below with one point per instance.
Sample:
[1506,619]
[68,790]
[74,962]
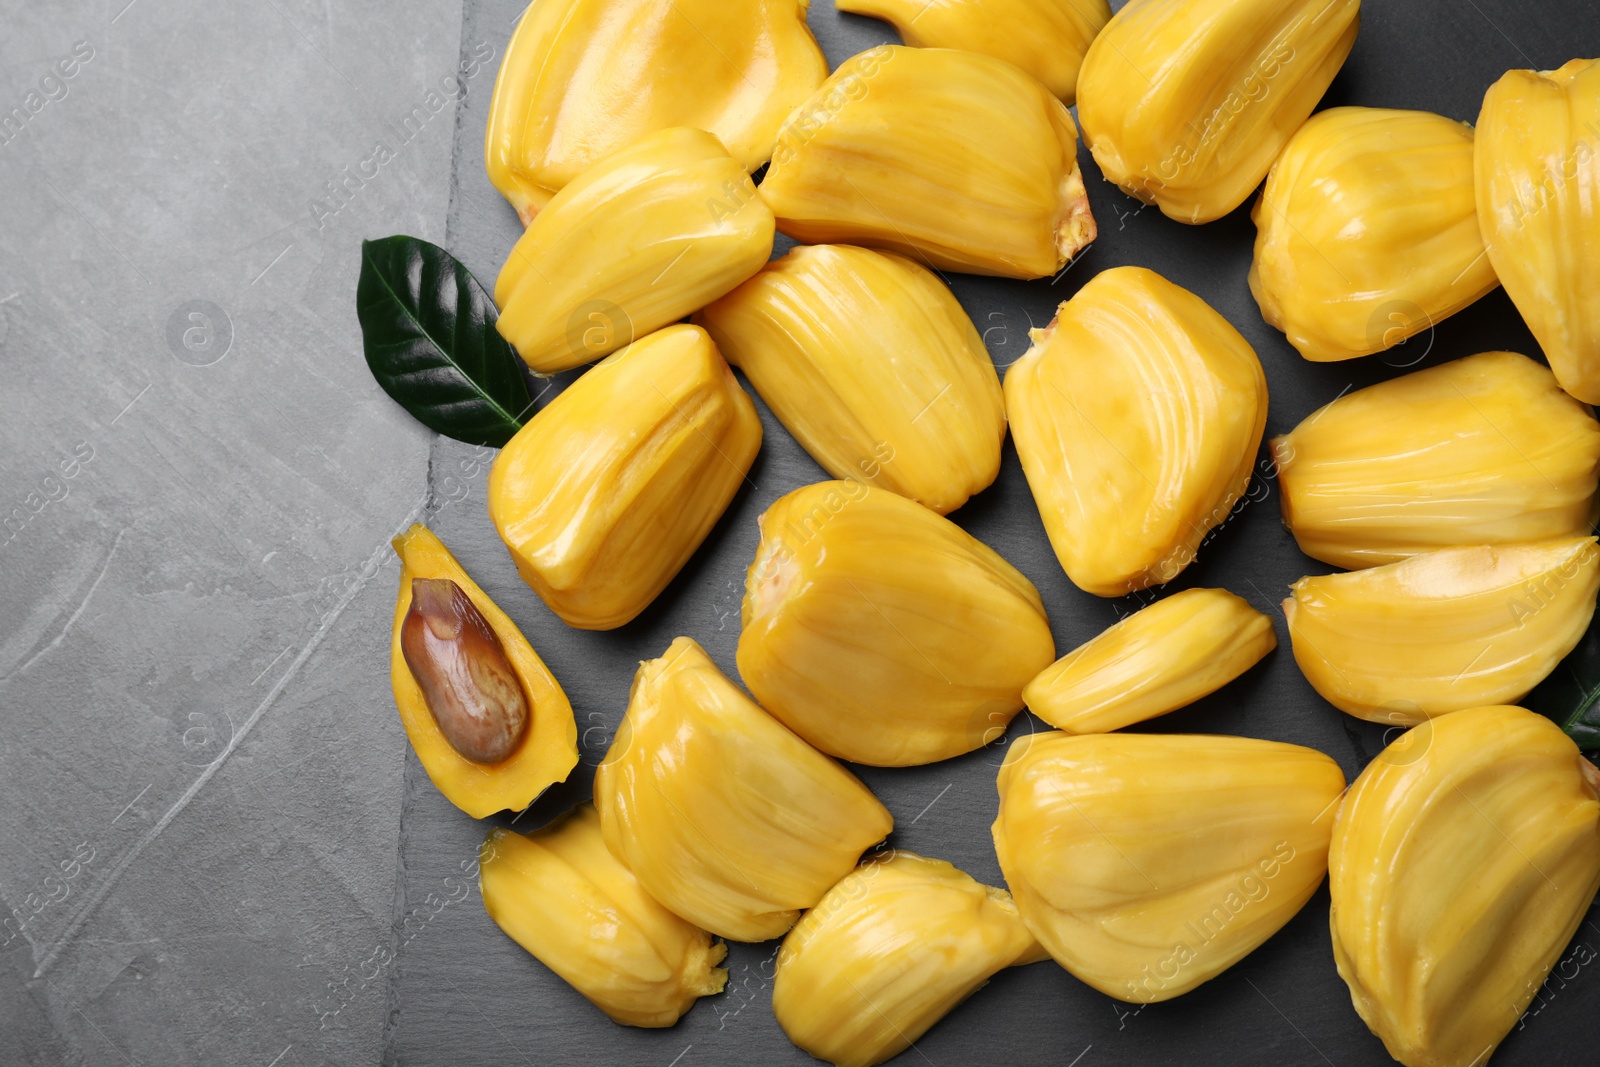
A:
[883,633]
[582,79]
[559,894]
[1463,860]
[1367,232]
[1137,414]
[648,235]
[957,160]
[606,492]
[1186,103]
[1484,450]
[1538,166]
[870,361]
[1443,631]
[1046,38]
[727,818]
[887,953]
[1148,864]
[1156,660]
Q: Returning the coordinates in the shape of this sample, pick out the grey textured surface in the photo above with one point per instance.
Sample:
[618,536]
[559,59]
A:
[205,796]
[200,767]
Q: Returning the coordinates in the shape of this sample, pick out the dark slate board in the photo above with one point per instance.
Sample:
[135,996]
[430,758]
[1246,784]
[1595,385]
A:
[461,993]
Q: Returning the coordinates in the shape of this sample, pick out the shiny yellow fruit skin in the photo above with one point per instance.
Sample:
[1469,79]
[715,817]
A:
[1156,660]
[1538,165]
[1367,232]
[582,79]
[891,949]
[549,748]
[1046,38]
[605,494]
[1137,415]
[649,235]
[727,818]
[1186,103]
[1147,864]
[957,160]
[1463,859]
[870,361]
[561,895]
[883,633]
[1443,631]
[1484,450]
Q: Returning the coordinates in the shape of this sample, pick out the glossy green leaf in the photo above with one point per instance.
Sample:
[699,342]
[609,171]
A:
[1571,695]
[428,330]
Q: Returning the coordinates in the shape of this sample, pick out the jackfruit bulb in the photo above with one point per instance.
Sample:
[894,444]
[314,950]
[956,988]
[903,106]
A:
[1148,864]
[1538,166]
[888,952]
[1137,414]
[958,160]
[582,79]
[883,633]
[1485,450]
[870,361]
[1366,232]
[1186,103]
[1463,859]
[726,817]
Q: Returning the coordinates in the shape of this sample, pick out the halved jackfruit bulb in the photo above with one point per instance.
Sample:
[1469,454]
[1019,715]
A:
[648,235]
[582,79]
[1443,631]
[559,894]
[1462,864]
[1366,232]
[954,159]
[1046,38]
[891,949]
[1137,414]
[1156,660]
[1485,450]
[726,817]
[883,633]
[485,715]
[1538,166]
[870,361]
[610,488]
[1186,103]
[1148,864]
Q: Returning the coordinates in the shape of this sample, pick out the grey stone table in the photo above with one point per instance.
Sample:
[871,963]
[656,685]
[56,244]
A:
[214,845]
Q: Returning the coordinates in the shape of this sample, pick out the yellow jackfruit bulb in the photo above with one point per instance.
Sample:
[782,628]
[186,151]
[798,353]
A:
[582,79]
[1443,631]
[605,494]
[872,364]
[643,238]
[891,949]
[1485,450]
[1537,166]
[885,634]
[546,749]
[1046,38]
[1186,103]
[1463,859]
[559,894]
[1147,864]
[1156,660]
[1366,232]
[727,818]
[957,160]
[1137,414]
